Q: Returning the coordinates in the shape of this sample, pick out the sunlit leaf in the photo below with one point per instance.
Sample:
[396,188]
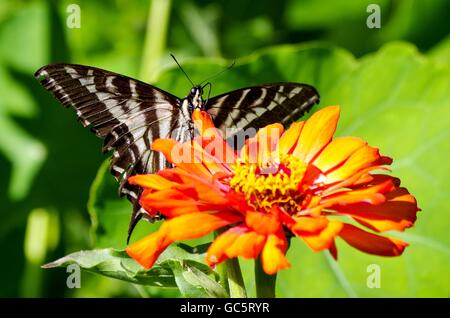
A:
[179,266]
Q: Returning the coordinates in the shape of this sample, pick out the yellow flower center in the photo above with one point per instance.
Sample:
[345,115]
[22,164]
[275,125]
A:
[276,183]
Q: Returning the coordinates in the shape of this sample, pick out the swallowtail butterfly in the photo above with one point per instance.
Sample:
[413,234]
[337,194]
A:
[129,114]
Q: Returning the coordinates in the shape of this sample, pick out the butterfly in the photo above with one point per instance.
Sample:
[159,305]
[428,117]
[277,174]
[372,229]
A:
[129,115]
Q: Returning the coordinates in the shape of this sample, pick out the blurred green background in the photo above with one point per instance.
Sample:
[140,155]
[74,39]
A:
[48,161]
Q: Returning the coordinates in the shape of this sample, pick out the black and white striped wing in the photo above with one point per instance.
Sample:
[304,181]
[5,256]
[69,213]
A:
[261,105]
[126,113]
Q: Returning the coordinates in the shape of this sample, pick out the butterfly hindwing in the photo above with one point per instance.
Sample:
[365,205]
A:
[260,105]
[126,113]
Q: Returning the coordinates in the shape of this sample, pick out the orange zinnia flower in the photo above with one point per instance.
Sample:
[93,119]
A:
[299,182]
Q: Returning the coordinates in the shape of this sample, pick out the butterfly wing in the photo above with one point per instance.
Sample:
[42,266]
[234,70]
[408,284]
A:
[126,113]
[260,105]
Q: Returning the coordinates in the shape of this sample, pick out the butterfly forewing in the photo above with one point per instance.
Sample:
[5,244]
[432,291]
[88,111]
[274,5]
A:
[260,105]
[126,113]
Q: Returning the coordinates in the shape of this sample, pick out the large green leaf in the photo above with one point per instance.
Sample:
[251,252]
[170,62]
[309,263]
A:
[116,264]
[398,100]
[179,266]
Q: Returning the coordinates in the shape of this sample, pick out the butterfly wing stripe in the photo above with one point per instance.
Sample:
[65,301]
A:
[268,103]
[286,112]
[137,140]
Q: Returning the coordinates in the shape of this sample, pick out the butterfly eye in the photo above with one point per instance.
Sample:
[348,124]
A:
[193,90]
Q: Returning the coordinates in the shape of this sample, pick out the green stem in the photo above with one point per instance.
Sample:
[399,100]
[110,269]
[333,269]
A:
[235,280]
[265,284]
[142,291]
[155,38]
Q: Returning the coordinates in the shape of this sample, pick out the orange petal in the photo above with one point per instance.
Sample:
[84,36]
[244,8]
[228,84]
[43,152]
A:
[376,182]
[380,183]
[371,243]
[371,193]
[215,156]
[151,181]
[165,146]
[361,176]
[216,251]
[347,197]
[323,239]
[204,124]
[147,250]
[202,121]
[273,254]
[237,241]
[397,213]
[173,202]
[360,159]
[206,190]
[211,138]
[259,148]
[309,224]
[195,225]
[264,223]
[317,133]
[289,139]
[336,152]
[247,245]
[182,155]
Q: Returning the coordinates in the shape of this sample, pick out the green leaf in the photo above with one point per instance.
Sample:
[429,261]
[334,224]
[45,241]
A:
[441,52]
[179,266]
[193,282]
[25,29]
[116,264]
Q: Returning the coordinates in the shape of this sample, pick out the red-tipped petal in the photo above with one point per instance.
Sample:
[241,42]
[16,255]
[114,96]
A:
[362,158]
[372,243]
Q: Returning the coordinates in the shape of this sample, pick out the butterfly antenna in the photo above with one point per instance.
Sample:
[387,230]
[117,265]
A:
[182,69]
[219,73]
[209,92]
